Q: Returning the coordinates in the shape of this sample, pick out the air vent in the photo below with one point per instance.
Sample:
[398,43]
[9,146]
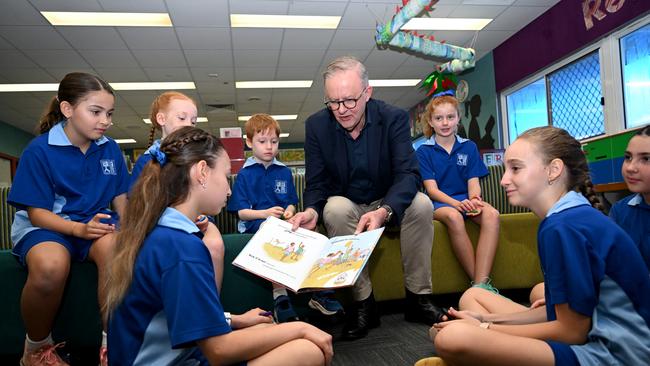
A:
[229,107]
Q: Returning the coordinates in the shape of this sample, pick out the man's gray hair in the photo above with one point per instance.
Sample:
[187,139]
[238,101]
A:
[345,63]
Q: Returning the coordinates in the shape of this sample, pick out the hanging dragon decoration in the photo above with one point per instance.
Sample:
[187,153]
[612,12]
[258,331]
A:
[444,76]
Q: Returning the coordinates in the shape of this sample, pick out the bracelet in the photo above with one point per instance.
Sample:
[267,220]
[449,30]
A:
[228,317]
[485,325]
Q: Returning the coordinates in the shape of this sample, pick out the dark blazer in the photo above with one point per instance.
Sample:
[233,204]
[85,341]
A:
[393,165]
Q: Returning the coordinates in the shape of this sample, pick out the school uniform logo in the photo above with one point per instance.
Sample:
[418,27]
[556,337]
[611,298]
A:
[461,159]
[281,187]
[108,166]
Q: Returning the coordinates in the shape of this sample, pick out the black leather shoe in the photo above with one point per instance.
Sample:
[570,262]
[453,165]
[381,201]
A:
[420,309]
[364,316]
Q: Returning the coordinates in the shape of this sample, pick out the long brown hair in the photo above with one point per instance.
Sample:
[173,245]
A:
[161,102]
[157,188]
[431,107]
[72,89]
[556,143]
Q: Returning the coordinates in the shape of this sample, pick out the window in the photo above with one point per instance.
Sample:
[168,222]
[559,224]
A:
[635,58]
[576,96]
[527,108]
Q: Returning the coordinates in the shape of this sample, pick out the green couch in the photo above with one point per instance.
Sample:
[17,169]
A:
[516,266]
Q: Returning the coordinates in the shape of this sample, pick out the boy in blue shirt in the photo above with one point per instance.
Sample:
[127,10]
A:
[264,187]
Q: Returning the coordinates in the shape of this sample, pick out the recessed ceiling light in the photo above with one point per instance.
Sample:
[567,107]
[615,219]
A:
[28,87]
[125,141]
[277,117]
[283,21]
[199,120]
[393,82]
[273,84]
[176,85]
[283,134]
[446,24]
[107,19]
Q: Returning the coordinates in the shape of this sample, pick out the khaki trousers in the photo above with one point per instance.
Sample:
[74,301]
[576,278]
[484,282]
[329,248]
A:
[341,217]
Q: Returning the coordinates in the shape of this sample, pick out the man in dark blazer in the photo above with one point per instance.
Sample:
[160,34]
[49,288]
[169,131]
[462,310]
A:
[361,174]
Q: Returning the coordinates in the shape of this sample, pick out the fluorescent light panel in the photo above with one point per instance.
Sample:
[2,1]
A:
[273,84]
[5,88]
[446,24]
[283,21]
[198,120]
[277,117]
[117,86]
[283,134]
[125,141]
[393,82]
[108,19]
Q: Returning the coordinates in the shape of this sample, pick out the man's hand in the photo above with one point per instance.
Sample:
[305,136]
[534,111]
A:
[306,219]
[371,220]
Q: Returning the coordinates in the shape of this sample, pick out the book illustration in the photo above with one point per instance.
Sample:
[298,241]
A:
[304,260]
[284,252]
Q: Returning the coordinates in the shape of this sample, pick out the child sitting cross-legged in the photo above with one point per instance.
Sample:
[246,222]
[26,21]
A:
[264,187]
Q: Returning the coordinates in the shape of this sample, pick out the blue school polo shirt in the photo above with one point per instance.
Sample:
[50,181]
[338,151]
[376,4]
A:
[590,264]
[141,162]
[172,301]
[55,175]
[259,188]
[632,213]
[451,171]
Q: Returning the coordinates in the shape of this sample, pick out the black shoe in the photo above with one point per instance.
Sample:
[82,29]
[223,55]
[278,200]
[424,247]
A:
[420,309]
[364,316]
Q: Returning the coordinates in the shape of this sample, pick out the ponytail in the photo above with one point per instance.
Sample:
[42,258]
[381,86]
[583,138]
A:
[152,133]
[587,190]
[51,116]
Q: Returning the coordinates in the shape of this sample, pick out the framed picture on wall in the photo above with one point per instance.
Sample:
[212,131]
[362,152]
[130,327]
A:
[8,166]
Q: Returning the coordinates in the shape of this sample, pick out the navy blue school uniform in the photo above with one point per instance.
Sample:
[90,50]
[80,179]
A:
[632,213]
[451,171]
[259,188]
[172,301]
[592,265]
[141,162]
[55,175]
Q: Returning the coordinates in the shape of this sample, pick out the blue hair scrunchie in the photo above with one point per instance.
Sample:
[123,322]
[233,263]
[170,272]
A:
[451,92]
[160,156]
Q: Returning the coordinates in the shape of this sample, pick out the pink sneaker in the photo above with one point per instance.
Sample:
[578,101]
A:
[45,355]
[103,356]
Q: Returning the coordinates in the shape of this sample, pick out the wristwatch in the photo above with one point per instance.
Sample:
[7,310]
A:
[389,210]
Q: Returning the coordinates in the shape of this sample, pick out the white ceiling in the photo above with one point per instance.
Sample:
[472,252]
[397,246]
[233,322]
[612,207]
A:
[201,42]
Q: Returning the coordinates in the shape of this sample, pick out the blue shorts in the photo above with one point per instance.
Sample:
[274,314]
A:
[457,197]
[77,247]
[564,355]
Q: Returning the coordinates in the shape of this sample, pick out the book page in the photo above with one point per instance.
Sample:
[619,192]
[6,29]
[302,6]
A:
[342,260]
[281,255]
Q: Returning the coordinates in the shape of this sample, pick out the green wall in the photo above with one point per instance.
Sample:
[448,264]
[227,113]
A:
[13,140]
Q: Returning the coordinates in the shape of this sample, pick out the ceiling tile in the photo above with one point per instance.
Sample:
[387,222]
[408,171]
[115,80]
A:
[130,6]
[168,74]
[154,38]
[109,59]
[250,58]
[323,8]
[57,58]
[515,17]
[60,72]
[120,75]
[204,58]
[202,74]
[204,38]
[93,38]
[26,75]
[160,58]
[66,5]
[200,13]
[11,58]
[278,7]
[34,38]
[477,11]
[256,38]
[296,58]
[298,73]
[366,16]
[307,39]
[20,13]
[256,74]
[353,39]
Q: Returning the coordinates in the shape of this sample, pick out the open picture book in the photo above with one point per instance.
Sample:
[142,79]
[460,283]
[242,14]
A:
[305,260]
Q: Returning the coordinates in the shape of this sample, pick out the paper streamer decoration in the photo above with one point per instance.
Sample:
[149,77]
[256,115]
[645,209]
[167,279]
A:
[389,34]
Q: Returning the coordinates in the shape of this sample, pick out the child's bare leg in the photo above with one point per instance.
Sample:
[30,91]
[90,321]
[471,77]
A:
[460,242]
[486,302]
[296,352]
[100,253]
[537,293]
[465,344]
[48,265]
[487,242]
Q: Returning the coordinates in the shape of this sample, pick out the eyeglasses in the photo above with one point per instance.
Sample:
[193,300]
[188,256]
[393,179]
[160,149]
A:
[334,105]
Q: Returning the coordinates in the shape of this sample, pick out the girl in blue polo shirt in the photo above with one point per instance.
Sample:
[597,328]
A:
[632,213]
[162,301]
[67,178]
[597,287]
[451,167]
[170,111]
